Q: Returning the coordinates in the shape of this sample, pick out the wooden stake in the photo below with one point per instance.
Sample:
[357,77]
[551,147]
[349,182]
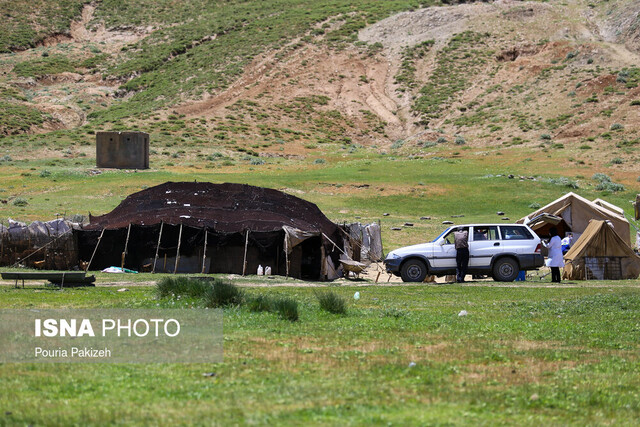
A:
[244,263]
[94,251]
[126,245]
[153,270]
[204,254]
[175,268]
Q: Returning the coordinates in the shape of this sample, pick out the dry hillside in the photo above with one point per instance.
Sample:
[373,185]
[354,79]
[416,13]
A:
[488,75]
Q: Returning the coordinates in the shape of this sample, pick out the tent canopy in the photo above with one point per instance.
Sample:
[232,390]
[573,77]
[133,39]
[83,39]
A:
[601,253]
[224,208]
[576,211]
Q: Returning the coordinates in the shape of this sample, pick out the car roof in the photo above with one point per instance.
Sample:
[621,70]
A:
[486,225]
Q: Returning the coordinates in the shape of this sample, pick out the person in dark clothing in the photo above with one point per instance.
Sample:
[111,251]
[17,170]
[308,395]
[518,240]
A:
[461,237]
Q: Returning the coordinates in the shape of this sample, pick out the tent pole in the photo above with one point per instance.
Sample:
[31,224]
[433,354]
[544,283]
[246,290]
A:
[244,263]
[94,251]
[153,270]
[204,253]
[164,266]
[286,255]
[126,246]
[175,268]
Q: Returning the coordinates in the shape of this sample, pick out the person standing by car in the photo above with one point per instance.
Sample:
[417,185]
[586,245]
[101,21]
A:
[461,242]
[556,260]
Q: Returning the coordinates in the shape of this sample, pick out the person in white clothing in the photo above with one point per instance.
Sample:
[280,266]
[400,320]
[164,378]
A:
[556,260]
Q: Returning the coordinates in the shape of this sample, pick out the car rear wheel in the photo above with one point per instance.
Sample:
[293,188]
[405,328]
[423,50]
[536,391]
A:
[413,270]
[505,270]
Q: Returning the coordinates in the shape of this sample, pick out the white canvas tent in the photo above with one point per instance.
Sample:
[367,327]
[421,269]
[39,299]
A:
[601,254]
[576,211]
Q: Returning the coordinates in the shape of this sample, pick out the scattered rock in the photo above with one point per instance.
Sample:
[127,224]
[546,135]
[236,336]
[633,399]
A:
[357,217]
[356,296]
[408,224]
[506,218]
[534,397]
[209,374]
[510,176]
[462,313]
[457,216]
[385,214]
[447,222]
[500,213]
[425,217]
[123,290]
[412,364]
[396,228]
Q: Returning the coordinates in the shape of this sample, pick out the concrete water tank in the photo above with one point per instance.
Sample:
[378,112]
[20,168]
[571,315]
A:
[122,150]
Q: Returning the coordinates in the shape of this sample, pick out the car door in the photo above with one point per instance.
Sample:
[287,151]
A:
[484,243]
[517,239]
[444,251]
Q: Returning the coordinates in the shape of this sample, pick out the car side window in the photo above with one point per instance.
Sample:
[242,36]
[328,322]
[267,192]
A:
[512,232]
[485,233]
[449,238]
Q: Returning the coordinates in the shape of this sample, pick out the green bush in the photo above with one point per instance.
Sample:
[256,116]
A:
[617,126]
[261,303]
[393,312]
[605,183]
[398,144]
[223,294]
[181,285]
[332,302]
[287,308]
[459,140]
[19,201]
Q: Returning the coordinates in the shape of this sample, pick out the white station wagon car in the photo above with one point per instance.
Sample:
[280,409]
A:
[498,250]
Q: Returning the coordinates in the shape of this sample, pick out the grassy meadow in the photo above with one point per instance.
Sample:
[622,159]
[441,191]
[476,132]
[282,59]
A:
[528,353]
[400,355]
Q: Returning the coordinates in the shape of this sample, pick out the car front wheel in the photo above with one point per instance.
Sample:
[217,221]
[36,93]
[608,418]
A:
[413,270]
[505,270]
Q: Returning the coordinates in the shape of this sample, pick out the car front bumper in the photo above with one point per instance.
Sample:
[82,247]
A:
[393,265]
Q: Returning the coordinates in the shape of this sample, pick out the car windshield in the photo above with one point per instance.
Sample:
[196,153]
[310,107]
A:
[441,234]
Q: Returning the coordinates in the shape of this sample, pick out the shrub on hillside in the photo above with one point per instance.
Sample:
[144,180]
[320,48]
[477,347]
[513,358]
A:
[606,184]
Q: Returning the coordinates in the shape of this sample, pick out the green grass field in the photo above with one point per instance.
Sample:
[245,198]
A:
[400,356]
